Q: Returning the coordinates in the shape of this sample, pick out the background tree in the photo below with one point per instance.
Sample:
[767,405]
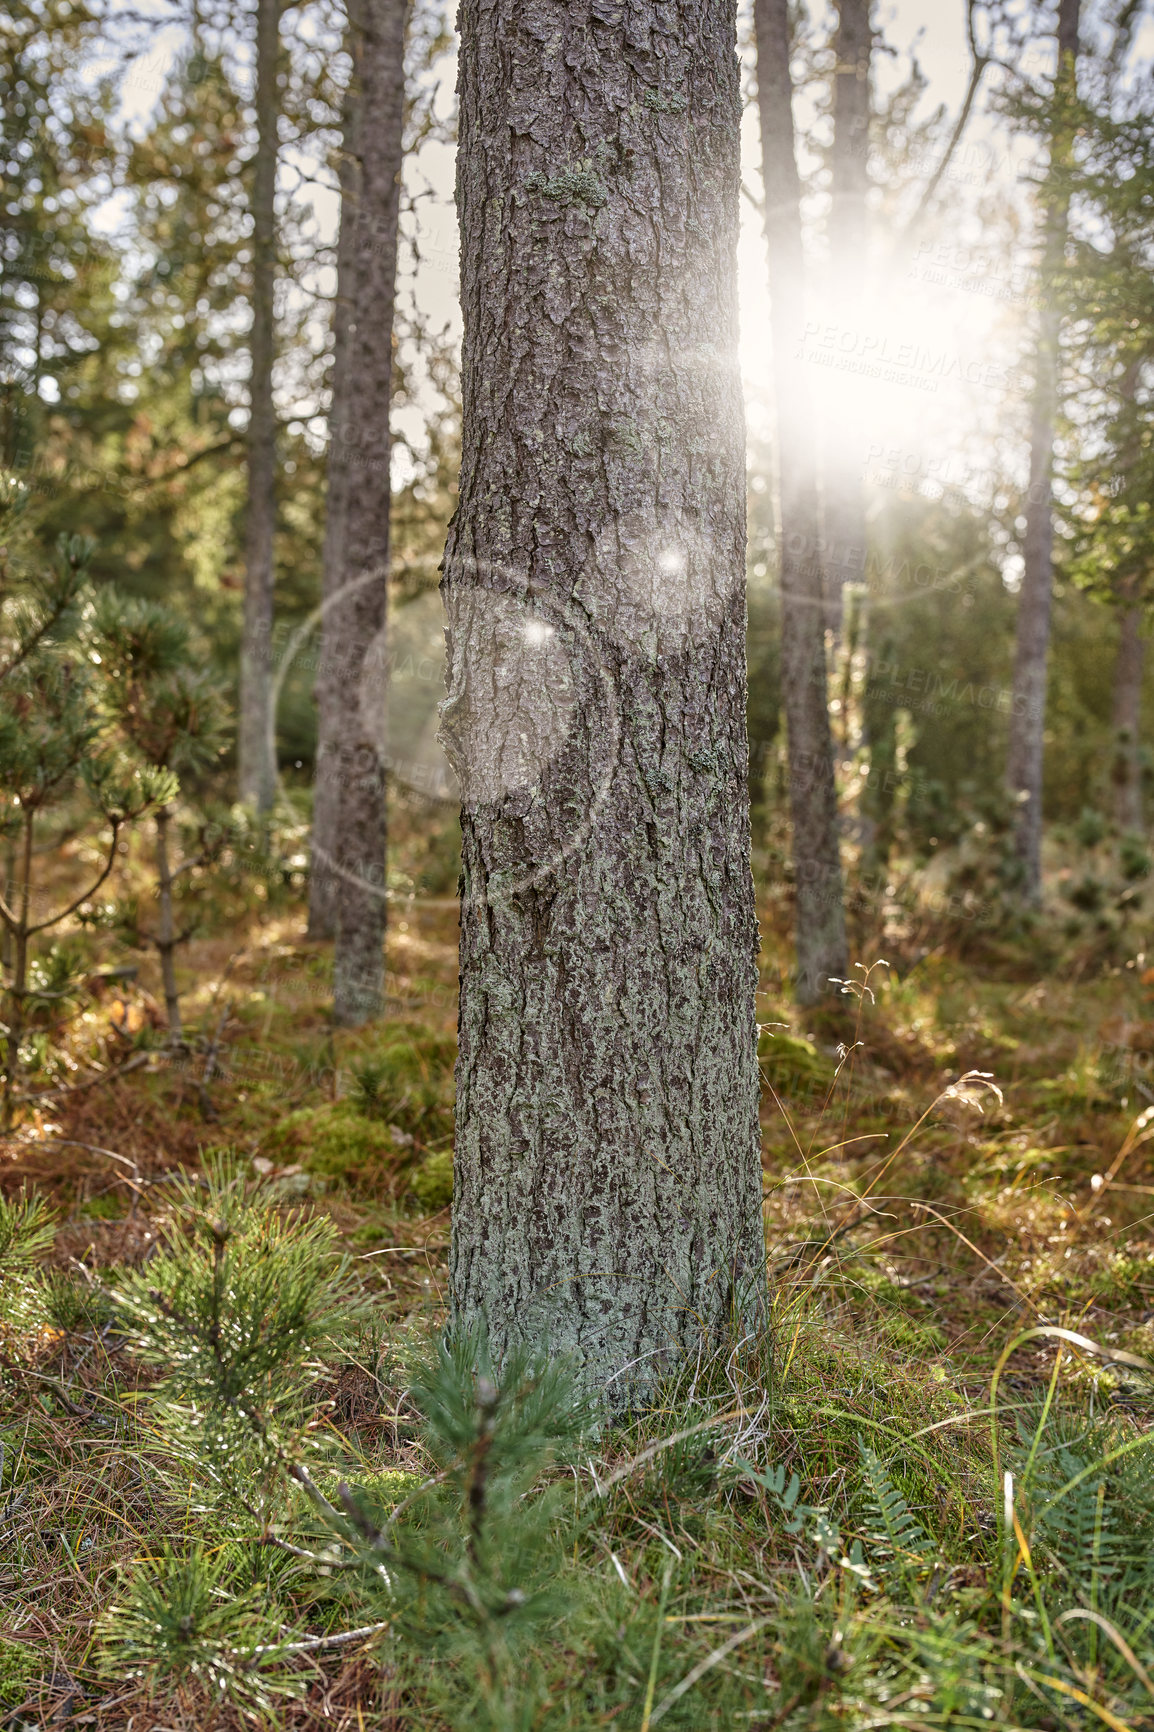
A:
[848,277]
[351,753]
[323,881]
[257,767]
[607,1178]
[1024,760]
[57,312]
[819,932]
[1109,304]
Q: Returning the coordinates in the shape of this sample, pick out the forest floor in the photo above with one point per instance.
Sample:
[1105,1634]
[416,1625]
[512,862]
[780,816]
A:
[955,1156]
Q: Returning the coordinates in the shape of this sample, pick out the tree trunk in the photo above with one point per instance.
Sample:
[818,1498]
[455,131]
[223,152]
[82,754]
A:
[1028,711]
[256,727]
[18,986]
[607,1173]
[1128,718]
[820,916]
[322,875]
[844,499]
[166,932]
[355,613]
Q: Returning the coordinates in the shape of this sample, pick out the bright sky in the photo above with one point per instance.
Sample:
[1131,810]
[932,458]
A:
[926,372]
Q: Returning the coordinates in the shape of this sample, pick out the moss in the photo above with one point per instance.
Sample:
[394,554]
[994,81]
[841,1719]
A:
[19,1670]
[336,1141]
[579,184]
[793,1064]
[1124,1280]
[408,1081]
[657,104]
[102,1209]
[432,1183]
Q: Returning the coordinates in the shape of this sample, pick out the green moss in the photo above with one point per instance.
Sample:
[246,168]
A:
[793,1064]
[336,1141]
[579,184]
[432,1183]
[675,104]
[914,1337]
[19,1671]
[1124,1280]
[102,1209]
[407,1081]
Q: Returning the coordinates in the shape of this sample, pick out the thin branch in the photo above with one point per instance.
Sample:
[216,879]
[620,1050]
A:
[92,888]
[979,63]
[134,1063]
[311,1643]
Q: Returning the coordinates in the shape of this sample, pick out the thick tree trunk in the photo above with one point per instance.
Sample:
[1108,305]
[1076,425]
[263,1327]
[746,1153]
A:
[323,880]
[1128,719]
[607,1173]
[1028,712]
[844,499]
[820,917]
[355,613]
[256,731]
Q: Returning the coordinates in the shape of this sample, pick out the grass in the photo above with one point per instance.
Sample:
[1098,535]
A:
[807,1530]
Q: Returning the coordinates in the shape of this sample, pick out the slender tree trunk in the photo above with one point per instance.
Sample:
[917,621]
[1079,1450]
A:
[256,729]
[18,988]
[820,917]
[1128,718]
[322,875]
[355,617]
[166,932]
[1028,712]
[844,498]
[9,881]
[607,1173]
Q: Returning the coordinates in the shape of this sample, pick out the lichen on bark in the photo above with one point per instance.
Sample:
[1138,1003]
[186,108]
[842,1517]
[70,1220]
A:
[607,1190]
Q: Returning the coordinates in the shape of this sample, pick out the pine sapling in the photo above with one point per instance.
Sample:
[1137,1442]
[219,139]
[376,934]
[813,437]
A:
[173,716]
[53,749]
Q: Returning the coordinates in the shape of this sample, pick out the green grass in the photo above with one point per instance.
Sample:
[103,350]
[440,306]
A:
[827,1547]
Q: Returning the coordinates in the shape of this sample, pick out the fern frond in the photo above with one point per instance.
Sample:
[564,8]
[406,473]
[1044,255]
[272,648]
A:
[897,1540]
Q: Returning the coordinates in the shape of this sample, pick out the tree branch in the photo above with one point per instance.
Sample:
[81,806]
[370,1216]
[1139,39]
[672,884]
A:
[92,888]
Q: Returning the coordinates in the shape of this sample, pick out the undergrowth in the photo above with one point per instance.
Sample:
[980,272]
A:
[797,1534]
[247,1478]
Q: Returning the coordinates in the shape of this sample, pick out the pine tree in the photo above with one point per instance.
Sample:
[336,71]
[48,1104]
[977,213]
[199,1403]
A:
[607,1169]
[172,714]
[819,922]
[1028,713]
[1108,300]
[843,499]
[257,753]
[349,823]
[55,301]
[54,748]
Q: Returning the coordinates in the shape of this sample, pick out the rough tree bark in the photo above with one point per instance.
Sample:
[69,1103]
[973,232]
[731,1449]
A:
[322,878]
[820,916]
[844,498]
[257,767]
[353,641]
[607,1183]
[1128,718]
[1028,712]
